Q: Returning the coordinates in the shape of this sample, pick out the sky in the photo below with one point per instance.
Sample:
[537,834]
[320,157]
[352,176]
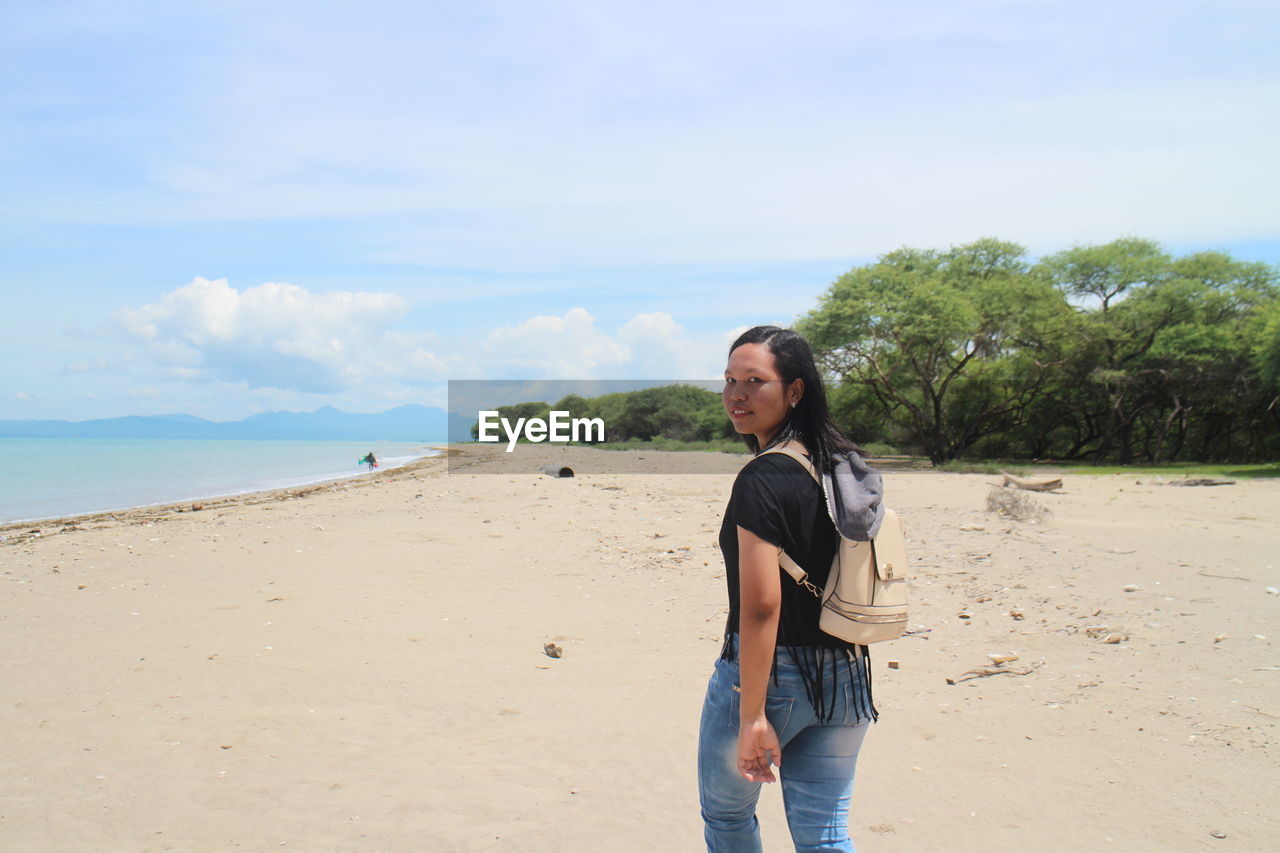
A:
[222,208]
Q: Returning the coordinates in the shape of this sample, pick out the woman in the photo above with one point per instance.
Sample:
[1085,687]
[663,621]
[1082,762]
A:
[781,687]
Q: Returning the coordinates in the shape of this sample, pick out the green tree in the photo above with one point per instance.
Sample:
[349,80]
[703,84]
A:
[609,408]
[1265,343]
[575,404]
[1115,331]
[953,345]
[515,412]
[679,412]
[1161,358]
[1265,347]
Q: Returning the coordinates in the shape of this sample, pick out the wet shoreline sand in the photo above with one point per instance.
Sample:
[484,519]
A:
[359,666]
[200,495]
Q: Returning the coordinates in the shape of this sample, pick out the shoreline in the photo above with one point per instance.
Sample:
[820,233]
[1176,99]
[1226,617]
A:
[171,509]
[158,506]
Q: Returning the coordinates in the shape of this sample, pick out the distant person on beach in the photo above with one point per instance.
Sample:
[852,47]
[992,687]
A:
[782,687]
[370,460]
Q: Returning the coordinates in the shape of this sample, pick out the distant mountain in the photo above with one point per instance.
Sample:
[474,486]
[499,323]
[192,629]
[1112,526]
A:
[403,423]
[460,428]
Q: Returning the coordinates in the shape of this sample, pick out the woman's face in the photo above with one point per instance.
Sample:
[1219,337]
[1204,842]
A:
[755,397]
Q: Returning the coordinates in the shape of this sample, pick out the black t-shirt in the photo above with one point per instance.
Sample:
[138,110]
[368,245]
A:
[775,498]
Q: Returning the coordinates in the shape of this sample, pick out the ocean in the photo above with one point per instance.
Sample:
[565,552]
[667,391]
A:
[44,478]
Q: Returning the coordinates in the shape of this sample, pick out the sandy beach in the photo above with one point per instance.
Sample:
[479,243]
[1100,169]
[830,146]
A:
[360,666]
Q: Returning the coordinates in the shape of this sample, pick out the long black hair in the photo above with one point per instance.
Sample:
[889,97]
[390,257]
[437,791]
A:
[810,421]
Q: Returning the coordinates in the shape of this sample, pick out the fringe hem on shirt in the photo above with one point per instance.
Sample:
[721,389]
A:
[817,667]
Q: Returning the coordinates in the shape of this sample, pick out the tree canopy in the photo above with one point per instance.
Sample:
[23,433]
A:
[677,412]
[1117,351]
[950,346]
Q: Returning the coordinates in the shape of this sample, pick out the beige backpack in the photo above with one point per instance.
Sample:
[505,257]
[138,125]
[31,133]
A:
[865,599]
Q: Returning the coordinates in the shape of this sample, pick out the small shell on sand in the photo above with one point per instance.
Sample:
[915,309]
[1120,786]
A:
[1132,587]
[1003,658]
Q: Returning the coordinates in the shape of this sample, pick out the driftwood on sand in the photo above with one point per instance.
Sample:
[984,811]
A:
[1031,485]
[997,667]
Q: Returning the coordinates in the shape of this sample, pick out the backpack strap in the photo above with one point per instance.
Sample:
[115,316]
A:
[798,574]
[799,457]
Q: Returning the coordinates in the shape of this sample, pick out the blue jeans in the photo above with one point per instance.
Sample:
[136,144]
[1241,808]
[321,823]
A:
[818,761]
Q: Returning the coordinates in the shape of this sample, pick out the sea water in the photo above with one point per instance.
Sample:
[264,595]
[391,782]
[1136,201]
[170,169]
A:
[53,477]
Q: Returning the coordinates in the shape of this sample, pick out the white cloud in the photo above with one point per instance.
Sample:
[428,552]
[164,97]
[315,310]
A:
[276,335]
[661,348]
[648,346]
[570,347]
[281,339]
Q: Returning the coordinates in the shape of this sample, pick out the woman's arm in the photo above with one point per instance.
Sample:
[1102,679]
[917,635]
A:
[760,591]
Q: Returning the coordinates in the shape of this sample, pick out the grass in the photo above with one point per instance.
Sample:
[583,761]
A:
[723,445]
[982,466]
[879,448]
[1242,471]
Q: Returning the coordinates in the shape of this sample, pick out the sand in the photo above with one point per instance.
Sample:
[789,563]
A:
[360,666]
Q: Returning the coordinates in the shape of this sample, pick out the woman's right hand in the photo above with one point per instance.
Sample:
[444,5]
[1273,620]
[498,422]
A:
[758,748]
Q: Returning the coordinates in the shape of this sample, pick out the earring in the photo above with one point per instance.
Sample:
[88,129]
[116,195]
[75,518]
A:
[793,403]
